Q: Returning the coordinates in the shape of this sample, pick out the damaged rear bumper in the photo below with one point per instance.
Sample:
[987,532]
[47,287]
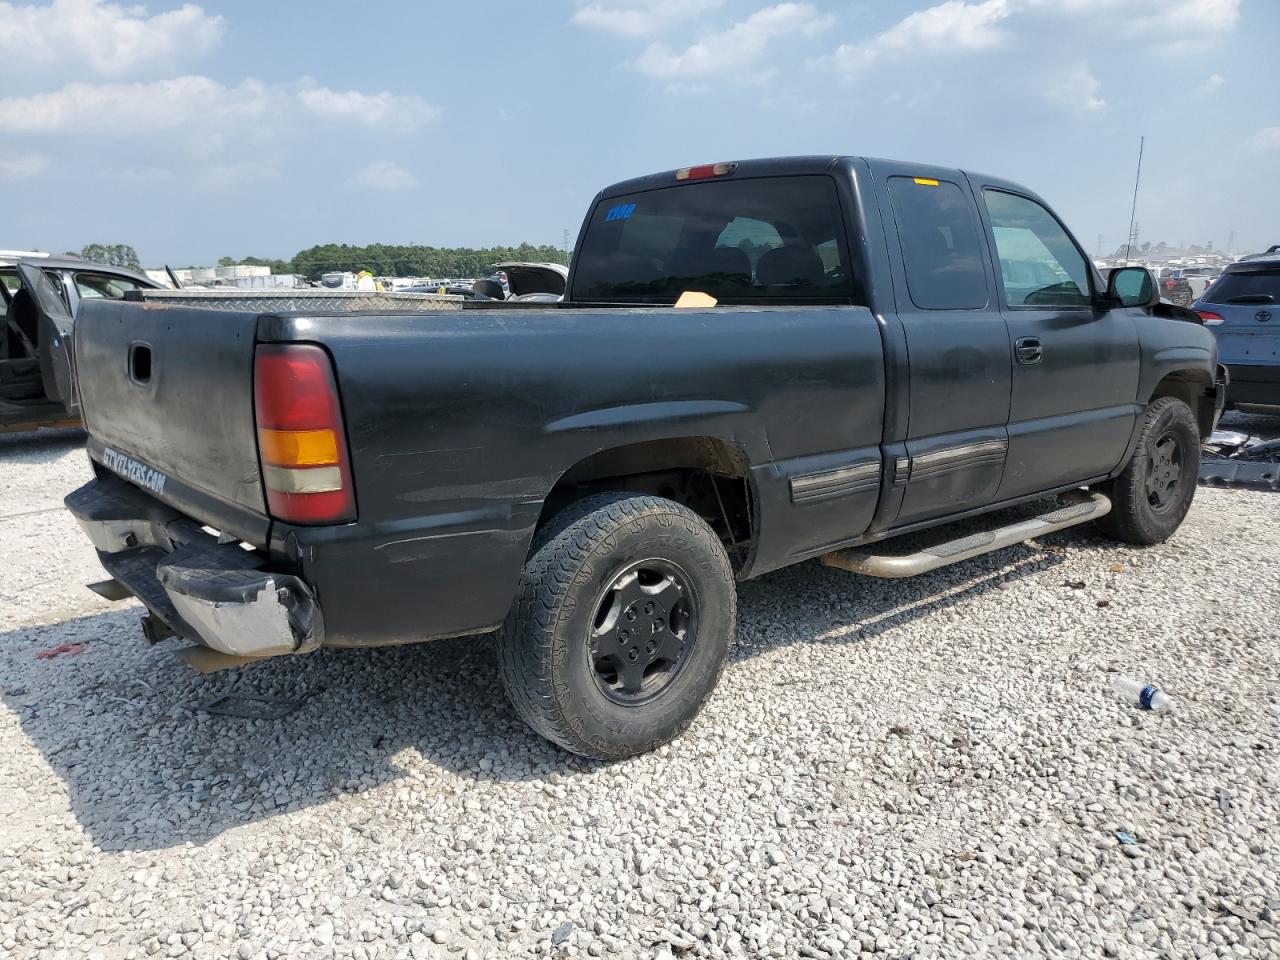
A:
[216,594]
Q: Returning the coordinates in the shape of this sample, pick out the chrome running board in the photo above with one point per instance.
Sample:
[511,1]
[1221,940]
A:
[1082,508]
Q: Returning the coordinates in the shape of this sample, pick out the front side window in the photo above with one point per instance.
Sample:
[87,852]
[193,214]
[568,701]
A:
[940,247]
[765,239]
[90,285]
[1039,265]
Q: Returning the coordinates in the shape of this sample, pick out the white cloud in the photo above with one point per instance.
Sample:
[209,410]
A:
[72,37]
[23,166]
[734,49]
[1076,88]
[384,175]
[372,109]
[130,107]
[967,26]
[640,18]
[201,103]
[1212,84]
[951,26]
[1268,138]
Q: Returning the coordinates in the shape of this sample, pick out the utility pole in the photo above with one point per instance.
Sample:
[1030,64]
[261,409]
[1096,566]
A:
[1134,209]
[566,243]
[1231,242]
[1099,246]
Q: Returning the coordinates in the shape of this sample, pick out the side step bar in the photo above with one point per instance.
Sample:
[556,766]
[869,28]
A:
[1082,508]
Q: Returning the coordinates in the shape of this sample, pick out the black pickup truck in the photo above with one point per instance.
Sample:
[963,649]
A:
[861,349]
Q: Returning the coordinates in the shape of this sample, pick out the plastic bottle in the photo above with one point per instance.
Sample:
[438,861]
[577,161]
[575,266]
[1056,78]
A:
[1147,696]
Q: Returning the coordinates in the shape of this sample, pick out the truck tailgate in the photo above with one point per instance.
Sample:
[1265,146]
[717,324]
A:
[167,395]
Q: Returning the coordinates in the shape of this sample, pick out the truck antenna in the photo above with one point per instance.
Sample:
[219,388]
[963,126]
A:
[1134,209]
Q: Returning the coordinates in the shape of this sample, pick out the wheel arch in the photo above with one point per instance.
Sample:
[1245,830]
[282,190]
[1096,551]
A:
[709,474]
[1194,387]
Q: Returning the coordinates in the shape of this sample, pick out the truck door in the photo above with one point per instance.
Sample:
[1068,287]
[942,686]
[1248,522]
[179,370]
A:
[1075,371]
[957,345]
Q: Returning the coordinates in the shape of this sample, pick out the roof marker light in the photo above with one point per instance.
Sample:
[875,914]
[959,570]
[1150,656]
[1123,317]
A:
[926,181]
[706,171]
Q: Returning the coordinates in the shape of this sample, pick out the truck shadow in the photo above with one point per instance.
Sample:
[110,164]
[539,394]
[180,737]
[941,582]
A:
[143,767]
[40,446]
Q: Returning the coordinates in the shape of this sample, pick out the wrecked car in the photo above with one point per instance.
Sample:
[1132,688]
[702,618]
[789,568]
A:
[35,381]
[523,283]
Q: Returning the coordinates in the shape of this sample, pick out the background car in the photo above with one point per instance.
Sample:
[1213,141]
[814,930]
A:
[1242,308]
[1173,286]
[1198,278]
[29,394]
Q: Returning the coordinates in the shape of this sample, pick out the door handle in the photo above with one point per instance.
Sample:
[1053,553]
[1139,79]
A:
[1029,350]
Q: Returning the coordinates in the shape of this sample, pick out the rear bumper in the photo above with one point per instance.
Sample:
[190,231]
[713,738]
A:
[1254,383]
[215,594]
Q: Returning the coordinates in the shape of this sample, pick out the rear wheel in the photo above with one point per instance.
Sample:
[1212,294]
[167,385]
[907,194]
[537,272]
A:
[1152,496]
[622,626]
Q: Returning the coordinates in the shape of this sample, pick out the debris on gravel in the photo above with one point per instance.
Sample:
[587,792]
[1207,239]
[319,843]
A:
[925,768]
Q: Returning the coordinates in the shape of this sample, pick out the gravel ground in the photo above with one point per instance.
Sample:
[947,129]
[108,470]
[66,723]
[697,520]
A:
[934,767]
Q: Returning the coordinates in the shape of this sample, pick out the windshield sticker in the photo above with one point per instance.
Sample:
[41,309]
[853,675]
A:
[620,212]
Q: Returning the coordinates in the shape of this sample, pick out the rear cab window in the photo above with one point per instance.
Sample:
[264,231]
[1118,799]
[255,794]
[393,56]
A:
[941,249]
[755,240]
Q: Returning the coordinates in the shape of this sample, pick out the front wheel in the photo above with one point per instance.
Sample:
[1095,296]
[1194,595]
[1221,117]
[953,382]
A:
[1152,496]
[622,626]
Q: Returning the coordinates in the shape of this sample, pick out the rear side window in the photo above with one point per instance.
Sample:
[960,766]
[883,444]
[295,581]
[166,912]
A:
[752,240]
[1039,265]
[938,230]
[1262,286]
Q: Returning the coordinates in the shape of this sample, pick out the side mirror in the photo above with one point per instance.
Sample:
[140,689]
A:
[1132,287]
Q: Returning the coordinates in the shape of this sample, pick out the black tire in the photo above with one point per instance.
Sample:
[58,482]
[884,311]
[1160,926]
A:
[1152,496]
[578,589]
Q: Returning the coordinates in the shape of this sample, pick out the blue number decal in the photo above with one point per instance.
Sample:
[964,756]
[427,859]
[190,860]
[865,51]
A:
[621,212]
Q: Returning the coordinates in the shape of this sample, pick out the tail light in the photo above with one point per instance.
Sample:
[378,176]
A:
[1209,318]
[301,439]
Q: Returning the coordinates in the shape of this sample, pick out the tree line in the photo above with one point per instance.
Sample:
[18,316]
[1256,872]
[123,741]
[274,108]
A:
[112,254]
[409,260]
[384,260]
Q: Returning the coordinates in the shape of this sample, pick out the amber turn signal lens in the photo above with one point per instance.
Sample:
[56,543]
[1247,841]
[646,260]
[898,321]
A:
[298,448]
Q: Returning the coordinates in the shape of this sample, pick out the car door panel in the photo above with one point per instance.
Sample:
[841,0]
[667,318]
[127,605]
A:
[1053,452]
[957,344]
[1075,367]
[953,472]
[54,338]
[1072,412]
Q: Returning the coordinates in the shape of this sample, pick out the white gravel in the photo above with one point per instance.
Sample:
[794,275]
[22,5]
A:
[926,768]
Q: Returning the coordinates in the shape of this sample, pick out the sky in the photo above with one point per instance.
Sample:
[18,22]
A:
[194,131]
